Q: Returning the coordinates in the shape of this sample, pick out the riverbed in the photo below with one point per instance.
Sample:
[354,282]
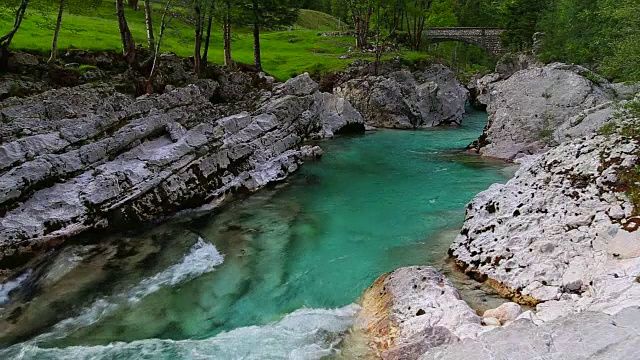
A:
[271,275]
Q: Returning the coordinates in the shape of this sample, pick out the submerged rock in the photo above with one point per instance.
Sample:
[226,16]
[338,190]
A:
[406,100]
[414,309]
[95,157]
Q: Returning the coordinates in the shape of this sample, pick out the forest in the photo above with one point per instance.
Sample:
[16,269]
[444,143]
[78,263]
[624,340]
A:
[602,34]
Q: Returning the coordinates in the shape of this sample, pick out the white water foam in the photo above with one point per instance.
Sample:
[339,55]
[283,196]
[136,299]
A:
[202,258]
[303,334]
[6,288]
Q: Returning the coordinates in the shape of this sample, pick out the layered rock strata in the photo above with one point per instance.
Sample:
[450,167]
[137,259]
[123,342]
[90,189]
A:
[74,159]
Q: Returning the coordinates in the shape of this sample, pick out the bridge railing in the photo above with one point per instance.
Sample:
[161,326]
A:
[464,31]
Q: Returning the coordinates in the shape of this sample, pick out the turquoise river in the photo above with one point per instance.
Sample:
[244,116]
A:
[274,275]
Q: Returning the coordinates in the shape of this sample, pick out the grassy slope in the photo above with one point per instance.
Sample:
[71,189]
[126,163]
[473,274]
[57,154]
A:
[315,20]
[285,53]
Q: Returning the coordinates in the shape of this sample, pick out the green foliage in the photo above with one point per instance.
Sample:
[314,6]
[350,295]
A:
[441,14]
[608,129]
[630,181]
[268,14]
[520,18]
[633,108]
[601,33]
[623,62]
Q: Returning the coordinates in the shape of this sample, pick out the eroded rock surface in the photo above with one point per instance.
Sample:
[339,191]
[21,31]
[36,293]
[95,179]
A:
[562,231]
[591,335]
[77,158]
[414,309]
[406,100]
[527,109]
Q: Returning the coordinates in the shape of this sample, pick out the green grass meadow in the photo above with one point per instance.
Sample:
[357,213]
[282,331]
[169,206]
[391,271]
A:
[284,53]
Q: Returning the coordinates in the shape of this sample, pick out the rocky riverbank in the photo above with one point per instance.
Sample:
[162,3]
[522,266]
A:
[89,156]
[561,236]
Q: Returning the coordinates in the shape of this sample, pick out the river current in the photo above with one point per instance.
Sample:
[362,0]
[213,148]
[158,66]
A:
[274,275]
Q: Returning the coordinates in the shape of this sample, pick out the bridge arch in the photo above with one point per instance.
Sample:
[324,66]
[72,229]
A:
[486,38]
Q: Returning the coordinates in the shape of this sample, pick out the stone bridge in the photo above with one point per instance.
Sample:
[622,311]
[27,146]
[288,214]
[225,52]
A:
[486,38]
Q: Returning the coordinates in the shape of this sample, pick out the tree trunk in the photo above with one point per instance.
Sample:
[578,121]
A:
[5,41]
[149,22]
[128,44]
[163,26]
[379,46]
[133,4]
[207,39]
[257,58]
[198,40]
[54,44]
[226,30]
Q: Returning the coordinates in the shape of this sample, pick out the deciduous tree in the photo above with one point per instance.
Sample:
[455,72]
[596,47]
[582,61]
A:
[128,44]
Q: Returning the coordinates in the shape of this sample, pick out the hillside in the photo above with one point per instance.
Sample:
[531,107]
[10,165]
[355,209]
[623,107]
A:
[285,53]
[316,20]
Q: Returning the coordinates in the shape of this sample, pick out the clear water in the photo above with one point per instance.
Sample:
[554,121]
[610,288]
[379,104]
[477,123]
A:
[271,276]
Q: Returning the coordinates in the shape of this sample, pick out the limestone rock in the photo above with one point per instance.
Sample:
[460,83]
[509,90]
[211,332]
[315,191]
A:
[95,157]
[590,335]
[20,61]
[556,232]
[406,100]
[311,152]
[300,85]
[510,64]
[527,109]
[412,309]
[503,313]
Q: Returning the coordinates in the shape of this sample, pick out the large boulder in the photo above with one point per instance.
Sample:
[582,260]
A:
[413,309]
[79,158]
[22,62]
[406,100]
[527,109]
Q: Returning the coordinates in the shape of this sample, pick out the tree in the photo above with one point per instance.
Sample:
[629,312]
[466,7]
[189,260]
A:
[520,20]
[149,24]
[163,25]
[128,44]
[203,13]
[603,34]
[417,13]
[198,9]
[226,7]
[361,11]
[205,55]
[5,41]
[54,44]
[133,4]
[266,14]
[74,7]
